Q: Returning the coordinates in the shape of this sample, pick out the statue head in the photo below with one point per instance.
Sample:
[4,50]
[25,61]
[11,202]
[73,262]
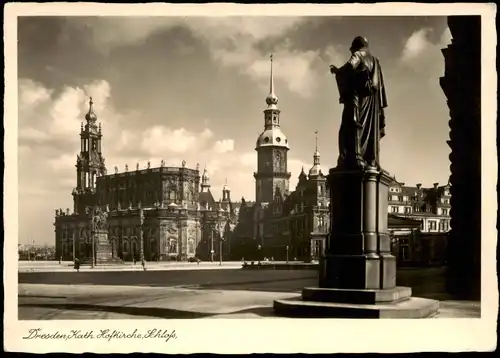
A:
[358,43]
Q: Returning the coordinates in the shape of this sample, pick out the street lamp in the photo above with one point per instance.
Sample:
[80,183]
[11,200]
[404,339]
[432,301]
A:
[221,240]
[73,237]
[141,233]
[92,210]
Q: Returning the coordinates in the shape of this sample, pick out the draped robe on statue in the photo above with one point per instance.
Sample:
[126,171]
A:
[362,92]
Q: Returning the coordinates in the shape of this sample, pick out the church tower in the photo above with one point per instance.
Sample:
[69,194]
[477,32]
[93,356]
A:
[272,149]
[89,163]
[317,180]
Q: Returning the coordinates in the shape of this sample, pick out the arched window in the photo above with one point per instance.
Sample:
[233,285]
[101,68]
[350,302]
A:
[171,194]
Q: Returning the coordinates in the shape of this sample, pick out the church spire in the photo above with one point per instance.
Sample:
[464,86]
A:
[91,116]
[316,168]
[271,99]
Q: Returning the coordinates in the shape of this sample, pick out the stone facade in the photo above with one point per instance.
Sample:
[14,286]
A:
[156,213]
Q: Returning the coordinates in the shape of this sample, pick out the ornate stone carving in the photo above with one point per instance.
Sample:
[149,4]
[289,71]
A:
[126,167]
[116,170]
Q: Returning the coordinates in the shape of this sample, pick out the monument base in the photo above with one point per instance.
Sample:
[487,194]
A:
[345,303]
[412,307]
[104,250]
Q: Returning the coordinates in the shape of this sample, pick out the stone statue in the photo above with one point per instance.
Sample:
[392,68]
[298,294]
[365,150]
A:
[137,166]
[126,167]
[119,206]
[139,205]
[116,170]
[162,163]
[100,219]
[130,205]
[67,211]
[183,163]
[149,164]
[57,212]
[362,92]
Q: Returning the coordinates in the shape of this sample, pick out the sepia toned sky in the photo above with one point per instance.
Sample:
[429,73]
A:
[186,88]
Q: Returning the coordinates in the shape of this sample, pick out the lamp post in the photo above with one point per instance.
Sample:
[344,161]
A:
[141,234]
[74,248]
[287,253]
[220,251]
[211,244]
[221,240]
[92,210]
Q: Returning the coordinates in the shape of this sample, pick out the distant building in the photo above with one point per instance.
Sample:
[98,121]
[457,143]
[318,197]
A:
[429,205]
[294,224]
[181,221]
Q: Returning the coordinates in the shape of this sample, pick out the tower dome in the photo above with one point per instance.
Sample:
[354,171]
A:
[316,168]
[91,116]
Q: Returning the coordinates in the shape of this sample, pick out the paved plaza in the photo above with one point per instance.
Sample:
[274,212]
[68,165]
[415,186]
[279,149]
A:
[197,293]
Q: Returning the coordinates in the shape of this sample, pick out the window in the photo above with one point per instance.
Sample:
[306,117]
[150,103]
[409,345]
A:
[190,246]
[394,209]
[446,225]
[432,225]
[445,211]
[407,210]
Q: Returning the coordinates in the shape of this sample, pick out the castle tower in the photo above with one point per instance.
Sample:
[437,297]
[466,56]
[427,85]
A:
[89,163]
[226,193]
[205,181]
[272,149]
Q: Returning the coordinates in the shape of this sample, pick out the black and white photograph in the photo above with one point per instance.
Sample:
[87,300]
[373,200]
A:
[306,168]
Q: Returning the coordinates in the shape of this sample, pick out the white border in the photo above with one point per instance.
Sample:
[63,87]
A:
[276,335]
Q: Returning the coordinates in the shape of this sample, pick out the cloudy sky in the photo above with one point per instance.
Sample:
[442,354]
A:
[179,88]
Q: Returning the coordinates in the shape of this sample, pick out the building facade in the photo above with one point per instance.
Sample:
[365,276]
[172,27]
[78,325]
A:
[153,213]
[429,205]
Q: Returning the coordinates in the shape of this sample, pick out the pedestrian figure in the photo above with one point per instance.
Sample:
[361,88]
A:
[77,265]
[143,263]
[198,261]
[60,260]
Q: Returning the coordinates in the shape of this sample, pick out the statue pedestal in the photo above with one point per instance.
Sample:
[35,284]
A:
[104,249]
[358,272]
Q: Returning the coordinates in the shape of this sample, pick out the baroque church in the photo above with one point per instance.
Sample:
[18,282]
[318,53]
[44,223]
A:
[158,213]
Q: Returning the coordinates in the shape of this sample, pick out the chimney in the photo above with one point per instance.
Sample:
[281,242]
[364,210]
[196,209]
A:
[419,185]
[436,185]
